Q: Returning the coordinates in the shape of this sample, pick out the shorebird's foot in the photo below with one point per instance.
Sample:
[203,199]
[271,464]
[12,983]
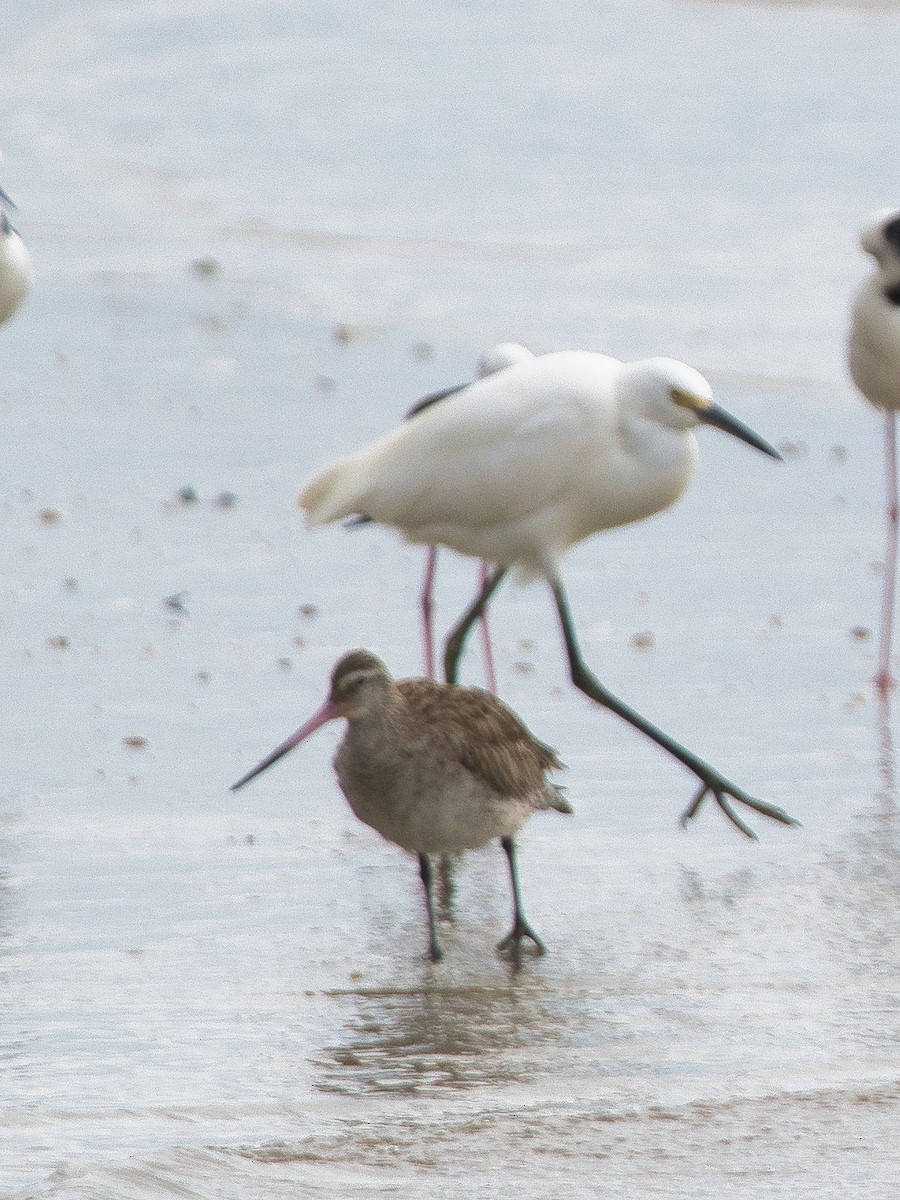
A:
[512,943]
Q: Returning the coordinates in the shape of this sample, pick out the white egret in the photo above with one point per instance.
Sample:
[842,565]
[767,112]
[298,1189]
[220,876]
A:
[435,769]
[521,465]
[874,359]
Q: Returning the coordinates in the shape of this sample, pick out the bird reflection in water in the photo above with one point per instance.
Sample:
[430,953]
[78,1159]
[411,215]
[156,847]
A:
[886,796]
[429,1038]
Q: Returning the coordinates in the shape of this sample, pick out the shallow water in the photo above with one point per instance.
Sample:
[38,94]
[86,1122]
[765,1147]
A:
[215,995]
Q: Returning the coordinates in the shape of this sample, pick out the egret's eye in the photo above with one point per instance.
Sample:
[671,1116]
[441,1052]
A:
[686,399]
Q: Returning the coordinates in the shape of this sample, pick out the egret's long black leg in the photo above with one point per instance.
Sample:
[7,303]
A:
[456,640]
[712,783]
[520,927]
[435,953]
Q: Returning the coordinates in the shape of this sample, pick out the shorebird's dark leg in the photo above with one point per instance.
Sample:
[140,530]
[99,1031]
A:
[456,640]
[520,927]
[435,953]
[712,783]
[446,887]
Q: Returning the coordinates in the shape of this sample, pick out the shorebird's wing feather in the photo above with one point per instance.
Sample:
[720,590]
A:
[484,735]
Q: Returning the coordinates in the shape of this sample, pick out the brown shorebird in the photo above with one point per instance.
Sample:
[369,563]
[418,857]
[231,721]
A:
[435,769]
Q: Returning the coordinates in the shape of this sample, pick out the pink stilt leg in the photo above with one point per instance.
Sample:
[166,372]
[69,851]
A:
[427,608]
[487,652]
[884,681]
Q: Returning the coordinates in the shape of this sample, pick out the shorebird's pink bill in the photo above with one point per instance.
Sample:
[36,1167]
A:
[326,713]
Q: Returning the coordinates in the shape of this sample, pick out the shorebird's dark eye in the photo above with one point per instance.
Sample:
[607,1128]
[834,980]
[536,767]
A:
[348,685]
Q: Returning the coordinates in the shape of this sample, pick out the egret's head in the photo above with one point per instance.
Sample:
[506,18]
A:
[665,391]
[880,236]
[678,397]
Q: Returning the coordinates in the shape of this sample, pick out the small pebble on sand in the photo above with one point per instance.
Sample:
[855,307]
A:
[205,268]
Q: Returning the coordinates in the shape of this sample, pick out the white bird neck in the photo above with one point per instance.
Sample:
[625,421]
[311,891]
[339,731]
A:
[665,458]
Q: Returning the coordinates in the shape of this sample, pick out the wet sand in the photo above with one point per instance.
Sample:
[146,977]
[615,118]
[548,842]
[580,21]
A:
[221,995]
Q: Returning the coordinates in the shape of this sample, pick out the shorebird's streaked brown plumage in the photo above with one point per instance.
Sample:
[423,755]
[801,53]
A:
[434,768]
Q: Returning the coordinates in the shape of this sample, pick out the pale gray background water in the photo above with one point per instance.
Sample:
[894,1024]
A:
[212,995]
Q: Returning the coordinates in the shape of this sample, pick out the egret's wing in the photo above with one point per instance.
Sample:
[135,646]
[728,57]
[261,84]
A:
[433,398]
[497,451]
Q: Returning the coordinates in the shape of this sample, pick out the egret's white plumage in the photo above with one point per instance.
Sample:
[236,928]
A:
[504,354]
[874,359]
[520,465]
[15,269]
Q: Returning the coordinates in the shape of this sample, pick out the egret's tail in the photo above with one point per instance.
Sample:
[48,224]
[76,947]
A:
[332,494]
